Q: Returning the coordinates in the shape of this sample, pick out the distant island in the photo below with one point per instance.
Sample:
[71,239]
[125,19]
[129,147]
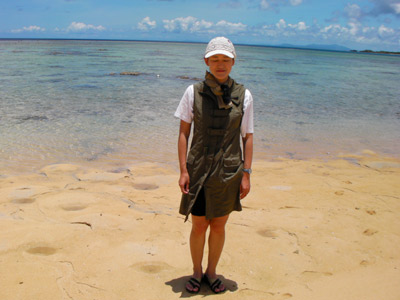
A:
[334,48]
[317,47]
[377,52]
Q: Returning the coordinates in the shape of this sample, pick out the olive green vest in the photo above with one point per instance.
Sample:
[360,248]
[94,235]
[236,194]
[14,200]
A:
[214,161]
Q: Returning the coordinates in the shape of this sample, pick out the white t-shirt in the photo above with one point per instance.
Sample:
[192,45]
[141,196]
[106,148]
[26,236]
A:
[185,110]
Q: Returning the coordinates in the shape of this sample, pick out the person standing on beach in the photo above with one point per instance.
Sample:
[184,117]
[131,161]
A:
[214,175]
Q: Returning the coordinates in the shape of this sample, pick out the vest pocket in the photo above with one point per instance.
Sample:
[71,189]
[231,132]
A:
[230,172]
[230,166]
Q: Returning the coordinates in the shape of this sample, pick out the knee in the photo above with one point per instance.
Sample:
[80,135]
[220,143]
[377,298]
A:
[217,228]
[199,229]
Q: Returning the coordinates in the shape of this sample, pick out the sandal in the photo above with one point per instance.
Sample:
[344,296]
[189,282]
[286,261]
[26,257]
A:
[216,286]
[194,283]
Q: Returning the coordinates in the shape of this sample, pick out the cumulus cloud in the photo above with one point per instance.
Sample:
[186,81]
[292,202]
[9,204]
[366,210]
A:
[146,24]
[355,32]
[396,7]
[181,24]
[285,29]
[79,26]
[386,7]
[301,26]
[336,30]
[192,25]
[230,28]
[379,7]
[282,25]
[352,33]
[32,28]
[385,31]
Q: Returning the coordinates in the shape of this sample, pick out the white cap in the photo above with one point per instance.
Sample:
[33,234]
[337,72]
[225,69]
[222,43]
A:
[220,45]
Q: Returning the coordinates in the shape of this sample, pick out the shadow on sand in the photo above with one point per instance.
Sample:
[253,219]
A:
[178,286]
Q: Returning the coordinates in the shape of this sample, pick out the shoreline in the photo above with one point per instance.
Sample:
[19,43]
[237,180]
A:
[308,228]
[116,164]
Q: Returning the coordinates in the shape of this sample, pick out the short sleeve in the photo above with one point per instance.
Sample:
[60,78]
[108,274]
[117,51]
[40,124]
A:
[185,107]
[247,120]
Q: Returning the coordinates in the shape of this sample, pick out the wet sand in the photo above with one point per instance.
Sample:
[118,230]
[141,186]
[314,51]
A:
[310,229]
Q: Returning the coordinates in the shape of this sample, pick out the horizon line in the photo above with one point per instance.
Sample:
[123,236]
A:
[172,41]
[283,46]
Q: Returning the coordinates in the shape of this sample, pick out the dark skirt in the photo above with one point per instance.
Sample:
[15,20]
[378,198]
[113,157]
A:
[199,207]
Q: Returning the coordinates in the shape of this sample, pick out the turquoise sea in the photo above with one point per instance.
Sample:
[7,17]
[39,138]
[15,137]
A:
[66,101]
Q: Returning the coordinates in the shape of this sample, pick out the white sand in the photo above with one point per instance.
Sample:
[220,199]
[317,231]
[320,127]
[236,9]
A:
[309,230]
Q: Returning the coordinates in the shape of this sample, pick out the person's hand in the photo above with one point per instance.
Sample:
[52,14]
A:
[245,185]
[184,182]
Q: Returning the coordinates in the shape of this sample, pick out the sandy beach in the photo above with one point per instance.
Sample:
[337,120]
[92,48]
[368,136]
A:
[309,230]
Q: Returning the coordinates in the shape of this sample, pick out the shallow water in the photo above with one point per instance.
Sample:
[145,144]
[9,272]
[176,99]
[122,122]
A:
[66,102]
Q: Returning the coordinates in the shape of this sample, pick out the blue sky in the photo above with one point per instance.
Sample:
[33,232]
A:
[356,24]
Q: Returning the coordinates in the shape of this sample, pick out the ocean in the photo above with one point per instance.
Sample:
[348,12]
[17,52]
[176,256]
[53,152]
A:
[65,101]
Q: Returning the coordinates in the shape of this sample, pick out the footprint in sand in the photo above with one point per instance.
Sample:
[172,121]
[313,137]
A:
[145,186]
[152,267]
[315,274]
[42,250]
[371,212]
[369,232]
[74,207]
[339,193]
[270,233]
[23,201]
[25,194]
[367,262]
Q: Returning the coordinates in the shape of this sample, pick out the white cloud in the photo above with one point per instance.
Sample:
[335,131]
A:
[333,28]
[202,25]
[32,28]
[383,30]
[385,7]
[147,24]
[353,34]
[396,7]
[301,26]
[230,28]
[365,35]
[268,30]
[354,27]
[281,24]
[79,26]
[284,29]
[179,24]
[193,25]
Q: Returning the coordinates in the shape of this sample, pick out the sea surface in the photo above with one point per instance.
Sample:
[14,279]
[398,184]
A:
[66,101]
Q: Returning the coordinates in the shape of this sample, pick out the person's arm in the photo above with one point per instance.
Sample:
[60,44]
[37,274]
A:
[184,132]
[248,158]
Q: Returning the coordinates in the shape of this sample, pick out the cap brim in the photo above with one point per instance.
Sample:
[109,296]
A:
[215,52]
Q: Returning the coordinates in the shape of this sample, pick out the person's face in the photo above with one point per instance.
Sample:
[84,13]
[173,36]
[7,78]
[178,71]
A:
[220,66]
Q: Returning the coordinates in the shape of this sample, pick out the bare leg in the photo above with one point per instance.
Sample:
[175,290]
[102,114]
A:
[216,242]
[197,242]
